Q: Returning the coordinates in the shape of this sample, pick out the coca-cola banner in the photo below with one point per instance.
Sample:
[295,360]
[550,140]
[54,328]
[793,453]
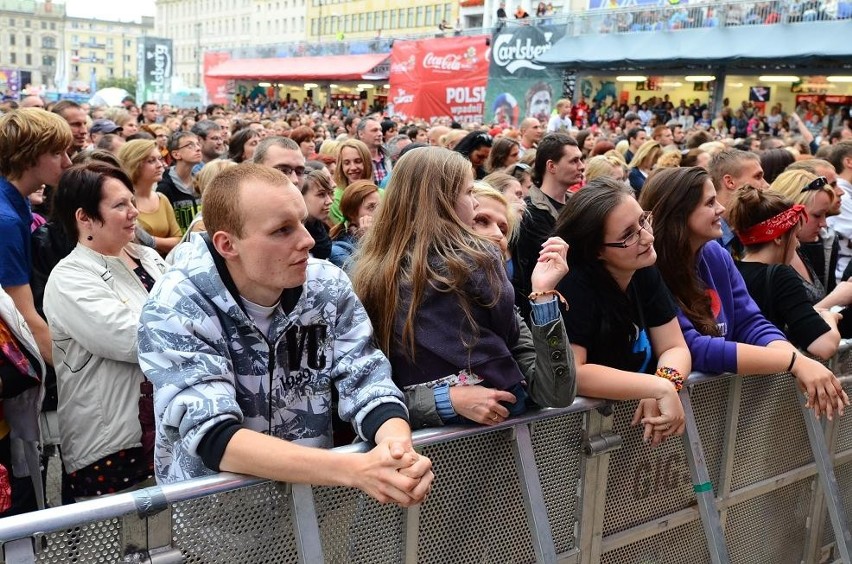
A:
[518,87]
[442,77]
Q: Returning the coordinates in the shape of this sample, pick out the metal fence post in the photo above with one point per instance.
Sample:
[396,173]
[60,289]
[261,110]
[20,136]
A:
[545,551]
[729,447]
[593,480]
[825,471]
[305,523]
[701,484]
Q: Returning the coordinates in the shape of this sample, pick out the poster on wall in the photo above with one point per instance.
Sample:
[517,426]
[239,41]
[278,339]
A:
[440,77]
[154,73]
[759,93]
[518,87]
[10,83]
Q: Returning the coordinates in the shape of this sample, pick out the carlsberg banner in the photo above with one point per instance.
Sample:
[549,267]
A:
[517,86]
[154,74]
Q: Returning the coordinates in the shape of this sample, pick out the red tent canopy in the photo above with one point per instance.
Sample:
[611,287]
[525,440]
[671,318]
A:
[335,67]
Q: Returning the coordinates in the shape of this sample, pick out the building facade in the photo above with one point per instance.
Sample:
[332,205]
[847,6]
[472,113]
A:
[353,19]
[101,49]
[31,39]
[196,26]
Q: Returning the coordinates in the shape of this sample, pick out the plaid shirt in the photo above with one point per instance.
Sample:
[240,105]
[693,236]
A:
[380,171]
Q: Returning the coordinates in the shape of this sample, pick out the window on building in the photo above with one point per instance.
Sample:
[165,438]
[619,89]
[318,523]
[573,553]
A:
[386,19]
[393,20]
[370,22]
[12,22]
[12,39]
[429,15]
[409,20]
[43,25]
[362,21]
[109,42]
[314,27]
[48,61]
[27,23]
[53,26]
[28,40]
[75,69]
[29,60]
[127,58]
[48,43]
[13,58]
[420,21]
[448,12]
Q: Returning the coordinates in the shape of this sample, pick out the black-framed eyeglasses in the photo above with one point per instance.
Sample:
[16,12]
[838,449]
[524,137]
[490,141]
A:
[288,170]
[646,221]
[816,184]
[191,144]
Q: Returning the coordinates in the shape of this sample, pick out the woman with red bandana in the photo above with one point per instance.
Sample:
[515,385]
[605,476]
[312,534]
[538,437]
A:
[723,327]
[767,224]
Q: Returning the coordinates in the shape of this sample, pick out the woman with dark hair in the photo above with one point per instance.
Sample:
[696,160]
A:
[602,146]
[586,140]
[505,151]
[358,205]
[723,326]
[318,192]
[476,147]
[92,301]
[774,161]
[622,321]
[304,136]
[242,144]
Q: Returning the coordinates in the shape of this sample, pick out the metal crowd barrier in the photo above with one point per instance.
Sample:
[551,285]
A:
[756,478]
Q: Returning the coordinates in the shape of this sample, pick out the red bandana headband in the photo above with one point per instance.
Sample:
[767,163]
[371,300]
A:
[773,227]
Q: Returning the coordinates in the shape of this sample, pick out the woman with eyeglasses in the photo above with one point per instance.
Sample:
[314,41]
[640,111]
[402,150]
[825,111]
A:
[142,162]
[505,151]
[767,224]
[476,147]
[621,318]
[442,305]
[724,328]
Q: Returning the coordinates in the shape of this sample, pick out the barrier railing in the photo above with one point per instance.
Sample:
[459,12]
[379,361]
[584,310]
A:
[756,478]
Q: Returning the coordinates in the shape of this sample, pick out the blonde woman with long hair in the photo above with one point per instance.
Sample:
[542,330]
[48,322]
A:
[441,304]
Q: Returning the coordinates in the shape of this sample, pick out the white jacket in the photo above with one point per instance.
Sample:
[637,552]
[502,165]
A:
[92,303]
[22,411]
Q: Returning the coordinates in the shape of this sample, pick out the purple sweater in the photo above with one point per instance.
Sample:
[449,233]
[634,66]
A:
[737,316]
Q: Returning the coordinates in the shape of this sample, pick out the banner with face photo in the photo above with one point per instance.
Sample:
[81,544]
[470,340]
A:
[517,86]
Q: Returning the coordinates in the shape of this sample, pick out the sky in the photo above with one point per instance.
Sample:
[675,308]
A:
[112,10]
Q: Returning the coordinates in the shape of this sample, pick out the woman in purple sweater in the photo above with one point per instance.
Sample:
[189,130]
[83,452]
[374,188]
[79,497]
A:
[724,328]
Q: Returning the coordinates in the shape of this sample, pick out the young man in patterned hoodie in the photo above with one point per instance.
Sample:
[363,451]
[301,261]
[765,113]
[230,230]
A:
[243,340]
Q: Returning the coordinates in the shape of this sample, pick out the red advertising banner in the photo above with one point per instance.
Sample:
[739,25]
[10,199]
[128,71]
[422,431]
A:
[217,88]
[442,77]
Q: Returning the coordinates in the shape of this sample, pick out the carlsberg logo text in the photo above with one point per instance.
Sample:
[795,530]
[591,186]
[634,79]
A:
[518,54]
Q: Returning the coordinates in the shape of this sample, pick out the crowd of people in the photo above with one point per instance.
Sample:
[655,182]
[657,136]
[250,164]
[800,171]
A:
[238,290]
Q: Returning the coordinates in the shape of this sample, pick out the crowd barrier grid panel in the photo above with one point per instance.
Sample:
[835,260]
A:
[533,495]
[839,439]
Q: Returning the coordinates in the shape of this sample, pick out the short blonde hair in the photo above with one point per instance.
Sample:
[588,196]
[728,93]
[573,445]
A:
[482,189]
[602,165]
[27,134]
[330,147]
[790,183]
[132,154]
[222,207]
[208,172]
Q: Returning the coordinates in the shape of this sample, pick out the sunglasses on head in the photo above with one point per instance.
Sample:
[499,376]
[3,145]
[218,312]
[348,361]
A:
[816,184]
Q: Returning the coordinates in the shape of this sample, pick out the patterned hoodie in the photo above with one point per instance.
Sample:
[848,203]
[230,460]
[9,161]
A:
[209,362]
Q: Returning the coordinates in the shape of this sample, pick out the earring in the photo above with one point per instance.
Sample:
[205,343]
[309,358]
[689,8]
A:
[89,238]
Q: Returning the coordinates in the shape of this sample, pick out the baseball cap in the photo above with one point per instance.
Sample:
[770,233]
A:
[105,126]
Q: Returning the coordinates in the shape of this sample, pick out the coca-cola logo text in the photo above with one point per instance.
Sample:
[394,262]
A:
[449,62]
